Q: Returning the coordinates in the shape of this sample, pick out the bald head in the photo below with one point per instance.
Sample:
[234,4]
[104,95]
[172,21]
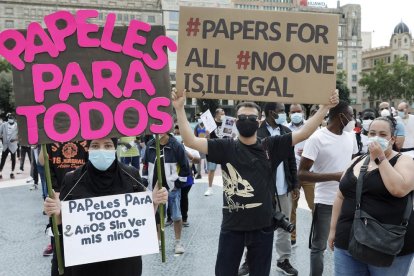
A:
[384,105]
[403,109]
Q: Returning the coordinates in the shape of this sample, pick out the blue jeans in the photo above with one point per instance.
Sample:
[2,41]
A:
[133,161]
[174,199]
[320,232]
[259,244]
[346,265]
[41,172]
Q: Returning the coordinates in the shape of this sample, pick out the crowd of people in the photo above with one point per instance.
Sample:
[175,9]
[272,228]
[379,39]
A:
[263,171]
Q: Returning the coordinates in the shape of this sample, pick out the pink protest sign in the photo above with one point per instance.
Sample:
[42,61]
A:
[79,81]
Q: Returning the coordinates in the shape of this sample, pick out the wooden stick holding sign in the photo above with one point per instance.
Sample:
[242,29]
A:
[161,206]
[51,194]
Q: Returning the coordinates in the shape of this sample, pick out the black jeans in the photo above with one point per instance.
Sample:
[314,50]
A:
[23,151]
[259,243]
[3,159]
[184,202]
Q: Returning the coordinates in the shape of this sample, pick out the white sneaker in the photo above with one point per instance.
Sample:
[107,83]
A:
[29,180]
[19,172]
[33,187]
[179,249]
[209,192]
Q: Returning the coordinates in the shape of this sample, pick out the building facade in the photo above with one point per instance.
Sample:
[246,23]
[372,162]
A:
[18,14]
[401,46]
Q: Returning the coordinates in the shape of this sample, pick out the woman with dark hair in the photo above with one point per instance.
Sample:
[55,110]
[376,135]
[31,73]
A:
[367,116]
[102,175]
[386,189]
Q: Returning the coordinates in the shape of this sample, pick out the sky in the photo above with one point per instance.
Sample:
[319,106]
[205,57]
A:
[381,16]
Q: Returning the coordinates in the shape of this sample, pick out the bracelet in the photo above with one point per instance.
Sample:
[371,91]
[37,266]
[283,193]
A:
[379,160]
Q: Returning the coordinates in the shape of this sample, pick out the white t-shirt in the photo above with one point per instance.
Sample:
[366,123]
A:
[331,153]
[364,141]
[409,134]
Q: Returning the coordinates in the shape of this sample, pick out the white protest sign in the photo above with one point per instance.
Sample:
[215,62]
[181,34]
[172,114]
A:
[108,227]
[208,121]
[228,126]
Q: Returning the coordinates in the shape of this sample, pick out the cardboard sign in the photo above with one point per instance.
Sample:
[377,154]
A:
[257,55]
[78,81]
[108,227]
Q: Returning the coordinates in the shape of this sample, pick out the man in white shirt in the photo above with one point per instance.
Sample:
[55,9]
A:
[408,122]
[328,152]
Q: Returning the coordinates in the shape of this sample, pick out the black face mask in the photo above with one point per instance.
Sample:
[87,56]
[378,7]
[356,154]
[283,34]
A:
[247,128]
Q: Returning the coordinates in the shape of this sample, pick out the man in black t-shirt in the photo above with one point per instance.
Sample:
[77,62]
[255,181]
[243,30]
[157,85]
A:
[248,183]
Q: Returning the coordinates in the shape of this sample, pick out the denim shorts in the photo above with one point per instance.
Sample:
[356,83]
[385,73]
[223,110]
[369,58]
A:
[174,198]
[211,166]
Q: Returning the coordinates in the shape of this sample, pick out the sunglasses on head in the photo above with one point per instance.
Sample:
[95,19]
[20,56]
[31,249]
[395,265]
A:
[252,118]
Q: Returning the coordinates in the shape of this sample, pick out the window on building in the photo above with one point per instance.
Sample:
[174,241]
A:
[353,43]
[33,12]
[340,31]
[9,11]
[174,16]
[388,59]
[405,40]
[9,24]
[151,19]
[111,3]
[406,57]
[354,54]
[354,66]
[340,65]
[189,101]
[340,43]
[26,12]
[354,78]
[354,89]
[340,54]
[224,102]
[173,26]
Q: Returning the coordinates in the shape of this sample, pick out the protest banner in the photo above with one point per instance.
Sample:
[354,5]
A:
[108,227]
[79,81]
[228,126]
[257,55]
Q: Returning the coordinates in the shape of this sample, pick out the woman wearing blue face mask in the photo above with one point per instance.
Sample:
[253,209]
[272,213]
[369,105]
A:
[386,190]
[102,175]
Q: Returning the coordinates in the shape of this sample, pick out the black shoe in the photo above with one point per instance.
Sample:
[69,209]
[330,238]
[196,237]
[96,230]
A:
[244,269]
[168,222]
[293,243]
[198,176]
[286,268]
[12,175]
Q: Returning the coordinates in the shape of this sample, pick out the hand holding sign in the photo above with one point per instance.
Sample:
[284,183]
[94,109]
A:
[159,196]
[52,206]
[178,99]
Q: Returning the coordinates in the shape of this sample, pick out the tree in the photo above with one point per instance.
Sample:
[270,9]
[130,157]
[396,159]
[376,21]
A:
[4,66]
[6,92]
[387,82]
[204,104]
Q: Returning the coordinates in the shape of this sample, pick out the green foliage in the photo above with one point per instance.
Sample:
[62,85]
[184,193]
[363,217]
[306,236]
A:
[6,92]
[386,82]
[4,66]
[204,104]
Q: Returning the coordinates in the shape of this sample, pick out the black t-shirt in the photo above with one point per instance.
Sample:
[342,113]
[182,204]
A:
[213,135]
[376,201]
[155,176]
[248,179]
[65,157]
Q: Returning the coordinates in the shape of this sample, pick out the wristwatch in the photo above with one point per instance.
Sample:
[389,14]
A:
[379,159]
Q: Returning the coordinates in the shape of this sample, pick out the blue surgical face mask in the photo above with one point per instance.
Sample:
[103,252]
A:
[296,118]
[401,114]
[102,159]
[384,143]
[281,119]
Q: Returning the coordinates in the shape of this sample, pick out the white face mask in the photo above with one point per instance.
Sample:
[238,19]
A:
[281,119]
[349,126]
[385,113]
[366,124]
[222,118]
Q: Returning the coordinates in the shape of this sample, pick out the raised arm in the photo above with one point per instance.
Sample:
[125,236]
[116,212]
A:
[189,139]
[313,123]
[305,174]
